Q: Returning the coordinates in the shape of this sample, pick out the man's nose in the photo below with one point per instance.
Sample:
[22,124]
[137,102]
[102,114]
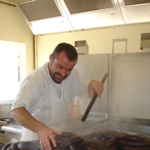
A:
[63,72]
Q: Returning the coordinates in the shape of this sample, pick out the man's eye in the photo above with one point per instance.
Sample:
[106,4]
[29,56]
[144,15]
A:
[60,67]
[69,70]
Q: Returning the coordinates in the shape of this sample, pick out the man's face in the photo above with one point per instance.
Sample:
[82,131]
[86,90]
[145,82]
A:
[60,68]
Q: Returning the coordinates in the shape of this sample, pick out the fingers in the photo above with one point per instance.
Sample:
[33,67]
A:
[99,88]
[92,92]
[47,139]
[57,132]
[52,139]
[96,86]
[45,144]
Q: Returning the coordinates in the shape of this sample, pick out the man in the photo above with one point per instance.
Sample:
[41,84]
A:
[44,98]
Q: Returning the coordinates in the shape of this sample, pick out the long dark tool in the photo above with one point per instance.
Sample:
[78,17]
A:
[92,101]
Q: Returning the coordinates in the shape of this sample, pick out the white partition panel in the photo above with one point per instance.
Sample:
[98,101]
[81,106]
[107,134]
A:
[94,67]
[130,86]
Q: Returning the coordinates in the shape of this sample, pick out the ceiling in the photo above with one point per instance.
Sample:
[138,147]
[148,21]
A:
[50,16]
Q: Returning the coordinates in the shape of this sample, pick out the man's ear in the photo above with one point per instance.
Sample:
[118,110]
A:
[51,57]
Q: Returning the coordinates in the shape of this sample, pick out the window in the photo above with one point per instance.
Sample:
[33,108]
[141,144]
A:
[12,69]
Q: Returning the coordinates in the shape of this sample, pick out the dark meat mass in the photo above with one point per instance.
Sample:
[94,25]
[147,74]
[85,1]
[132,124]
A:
[107,140]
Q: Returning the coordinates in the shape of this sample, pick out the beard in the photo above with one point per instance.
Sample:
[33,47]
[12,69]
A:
[58,78]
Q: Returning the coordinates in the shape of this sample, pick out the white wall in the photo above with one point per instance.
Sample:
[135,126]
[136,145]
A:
[99,40]
[14,28]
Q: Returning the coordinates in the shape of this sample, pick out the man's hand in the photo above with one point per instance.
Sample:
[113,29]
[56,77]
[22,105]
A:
[95,87]
[46,136]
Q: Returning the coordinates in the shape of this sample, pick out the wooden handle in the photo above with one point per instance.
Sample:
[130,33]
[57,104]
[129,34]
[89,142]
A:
[92,101]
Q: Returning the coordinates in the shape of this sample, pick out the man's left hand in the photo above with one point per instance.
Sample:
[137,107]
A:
[95,87]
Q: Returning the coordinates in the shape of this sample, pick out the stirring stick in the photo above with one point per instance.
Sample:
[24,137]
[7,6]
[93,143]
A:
[92,101]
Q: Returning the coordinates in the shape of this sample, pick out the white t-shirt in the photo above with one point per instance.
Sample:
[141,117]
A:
[47,101]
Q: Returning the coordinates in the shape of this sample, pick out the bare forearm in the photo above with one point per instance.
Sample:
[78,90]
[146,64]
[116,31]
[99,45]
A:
[23,117]
[46,134]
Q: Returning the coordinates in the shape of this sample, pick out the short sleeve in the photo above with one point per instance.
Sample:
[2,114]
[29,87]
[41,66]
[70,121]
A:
[28,95]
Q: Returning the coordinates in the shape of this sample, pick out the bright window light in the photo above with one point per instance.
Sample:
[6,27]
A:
[12,69]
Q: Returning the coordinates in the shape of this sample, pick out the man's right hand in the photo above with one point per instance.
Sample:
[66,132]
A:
[46,134]
[46,137]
